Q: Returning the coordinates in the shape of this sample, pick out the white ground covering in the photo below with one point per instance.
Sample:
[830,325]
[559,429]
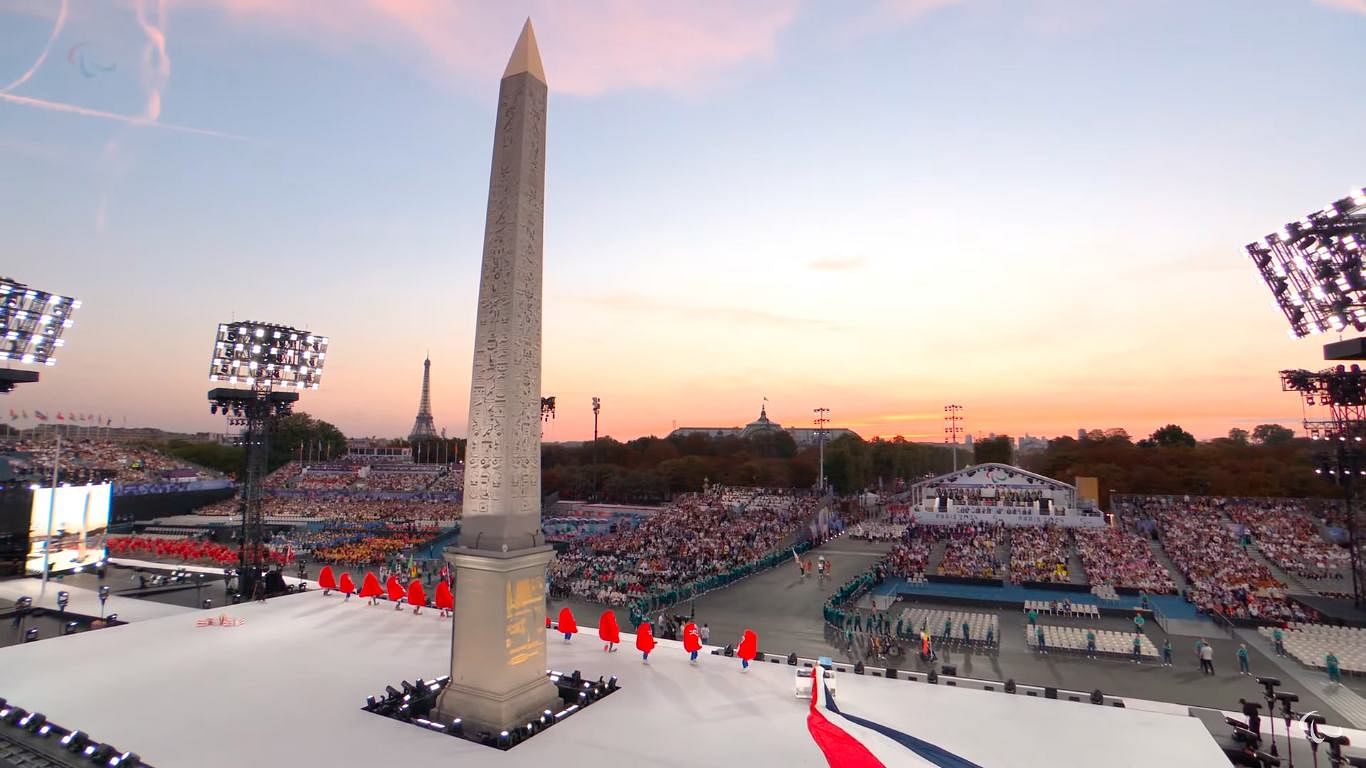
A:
[176,694]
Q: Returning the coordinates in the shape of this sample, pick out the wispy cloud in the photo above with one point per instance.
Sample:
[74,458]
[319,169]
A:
[1357,6]
[836,264]
[60,106]
[909,10]
[156,65]
[636,304]
[156,72]
[589,47]
[47,48]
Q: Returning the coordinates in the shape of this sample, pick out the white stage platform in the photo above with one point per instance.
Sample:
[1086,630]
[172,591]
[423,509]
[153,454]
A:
[302,665]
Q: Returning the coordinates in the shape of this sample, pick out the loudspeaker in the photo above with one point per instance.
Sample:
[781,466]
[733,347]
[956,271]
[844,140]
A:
[1050,693]
[890,673]
[792,659]
[858,668]
[932,678]
[758,655]
[950,670]
[1010,685]
[730,651]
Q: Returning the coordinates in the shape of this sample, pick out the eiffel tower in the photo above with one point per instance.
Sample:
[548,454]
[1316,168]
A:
[423,428]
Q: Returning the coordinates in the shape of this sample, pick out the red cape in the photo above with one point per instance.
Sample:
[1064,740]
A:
[567,624]
[749,646]
[645,640]
[347,585]
[370,586]
[607,627]
[325,578]
[394,589]
[692,641]
[416,595]
[444,598]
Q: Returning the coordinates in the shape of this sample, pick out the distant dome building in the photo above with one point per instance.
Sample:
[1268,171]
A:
[802,436]
[761,424]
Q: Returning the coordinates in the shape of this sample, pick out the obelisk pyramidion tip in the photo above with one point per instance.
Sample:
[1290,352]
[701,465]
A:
[526,57]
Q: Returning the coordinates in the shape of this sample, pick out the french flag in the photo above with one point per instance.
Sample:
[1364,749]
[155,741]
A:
[844,738]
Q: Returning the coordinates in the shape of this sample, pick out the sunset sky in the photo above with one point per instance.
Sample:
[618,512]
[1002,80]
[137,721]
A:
[1034,208]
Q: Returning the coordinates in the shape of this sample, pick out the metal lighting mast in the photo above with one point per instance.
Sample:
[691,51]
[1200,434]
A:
[1314,268]
[953,427]
[260,363]
[31,326]
[822,422]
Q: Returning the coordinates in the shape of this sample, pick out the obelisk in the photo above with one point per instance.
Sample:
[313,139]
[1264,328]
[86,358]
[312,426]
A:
[498,658]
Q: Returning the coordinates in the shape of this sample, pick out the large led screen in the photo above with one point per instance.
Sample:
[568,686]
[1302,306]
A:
[77,521]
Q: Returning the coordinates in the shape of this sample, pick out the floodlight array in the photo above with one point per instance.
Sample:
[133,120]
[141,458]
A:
[32,322]
[249,354]
[1314,268]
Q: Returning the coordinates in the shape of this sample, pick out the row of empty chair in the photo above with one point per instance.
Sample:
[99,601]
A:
[1058,608]
[1310,644]
[1108,641]
[932,619]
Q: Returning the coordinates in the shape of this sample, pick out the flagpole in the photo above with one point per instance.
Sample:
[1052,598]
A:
[51,512]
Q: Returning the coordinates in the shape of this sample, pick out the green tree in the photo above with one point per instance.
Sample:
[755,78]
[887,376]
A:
[223,458]
[301,432]
[1238,436]
[1172,436]
[992,449]
[1272,434]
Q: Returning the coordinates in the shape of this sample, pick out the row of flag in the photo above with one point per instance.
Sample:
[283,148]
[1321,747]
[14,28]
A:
[93,419]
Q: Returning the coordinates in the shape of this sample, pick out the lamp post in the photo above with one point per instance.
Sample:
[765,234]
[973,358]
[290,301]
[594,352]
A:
[821,421]
[597,406]
[953,427]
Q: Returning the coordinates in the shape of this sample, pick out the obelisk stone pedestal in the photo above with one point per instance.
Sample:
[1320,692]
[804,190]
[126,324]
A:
[485,651]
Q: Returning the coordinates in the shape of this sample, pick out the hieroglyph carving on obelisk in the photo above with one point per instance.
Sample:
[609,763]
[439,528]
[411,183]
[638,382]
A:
[502,505]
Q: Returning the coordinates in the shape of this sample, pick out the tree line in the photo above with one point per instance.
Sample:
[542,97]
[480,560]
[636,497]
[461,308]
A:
[1269,460]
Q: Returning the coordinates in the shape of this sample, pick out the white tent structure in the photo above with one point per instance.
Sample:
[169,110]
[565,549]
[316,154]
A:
[991,493]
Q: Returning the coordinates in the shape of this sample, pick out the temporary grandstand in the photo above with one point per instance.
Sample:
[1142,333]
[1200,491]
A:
[992,493]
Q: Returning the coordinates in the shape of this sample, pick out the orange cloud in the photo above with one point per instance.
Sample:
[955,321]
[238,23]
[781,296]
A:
[589,47]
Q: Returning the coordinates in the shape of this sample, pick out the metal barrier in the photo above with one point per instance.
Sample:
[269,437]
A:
[1021,689]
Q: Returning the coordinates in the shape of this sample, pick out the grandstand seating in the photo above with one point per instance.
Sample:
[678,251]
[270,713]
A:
[127,464]
[1108,642]
[1057,608]
[1309,644]
[932,619]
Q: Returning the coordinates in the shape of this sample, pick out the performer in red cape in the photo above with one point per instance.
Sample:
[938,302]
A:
[749,648]
[444,599]
[608,631]
[347,585]
[567,625]
[395,591]
[645,641]
[417,597]
[547,621]
[326,580]
[369,587]
[692,641]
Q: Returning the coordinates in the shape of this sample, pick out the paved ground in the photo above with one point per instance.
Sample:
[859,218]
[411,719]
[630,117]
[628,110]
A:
[786,613]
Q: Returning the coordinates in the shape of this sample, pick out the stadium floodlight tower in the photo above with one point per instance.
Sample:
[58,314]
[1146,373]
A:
[31,326]
[264,366]
[1314,268]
